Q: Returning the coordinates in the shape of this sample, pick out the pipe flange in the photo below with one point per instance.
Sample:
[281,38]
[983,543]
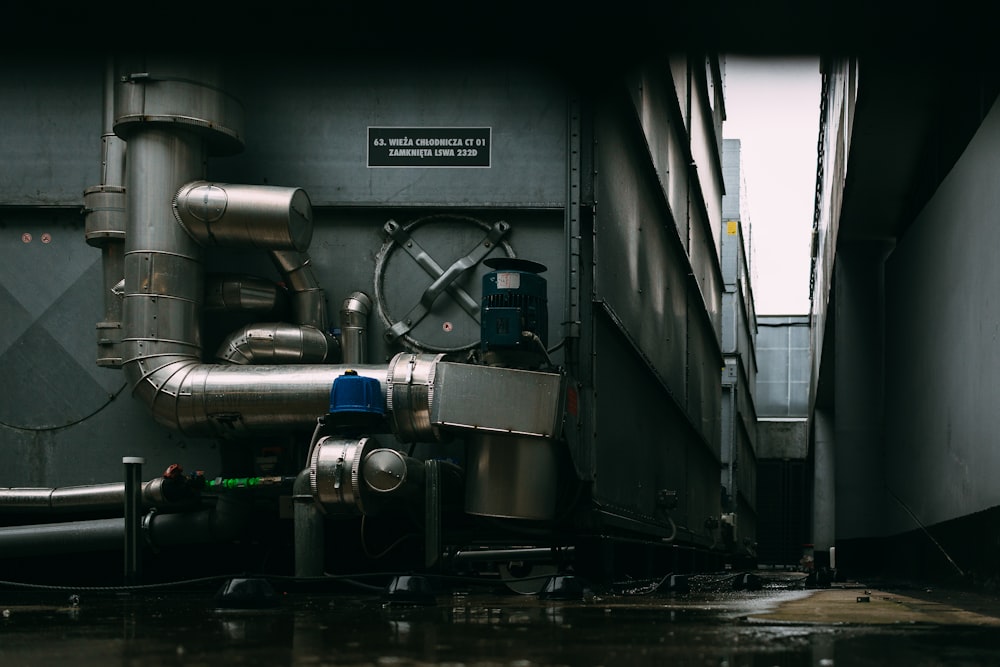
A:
[335,473]
[410,395]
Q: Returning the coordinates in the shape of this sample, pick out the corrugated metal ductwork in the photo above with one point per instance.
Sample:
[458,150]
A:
[173,116]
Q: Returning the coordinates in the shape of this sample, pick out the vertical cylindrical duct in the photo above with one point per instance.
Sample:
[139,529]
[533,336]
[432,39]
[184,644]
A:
[354,328]
[170,113]
[104,215]
[511,476]
[163,275]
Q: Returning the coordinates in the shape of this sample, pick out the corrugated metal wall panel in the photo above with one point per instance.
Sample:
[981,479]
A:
[705,361]
[640,265]
[644,439]
[51,120]
[662,124]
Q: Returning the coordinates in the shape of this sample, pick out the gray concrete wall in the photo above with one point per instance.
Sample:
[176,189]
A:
[859,466]
[824,482]
[942,439]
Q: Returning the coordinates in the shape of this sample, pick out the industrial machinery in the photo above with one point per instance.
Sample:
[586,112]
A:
[357,317]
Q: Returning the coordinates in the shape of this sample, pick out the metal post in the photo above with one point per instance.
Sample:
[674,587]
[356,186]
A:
[133,517]
[432,512]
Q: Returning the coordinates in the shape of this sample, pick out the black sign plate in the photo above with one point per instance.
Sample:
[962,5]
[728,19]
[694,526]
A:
[429,146]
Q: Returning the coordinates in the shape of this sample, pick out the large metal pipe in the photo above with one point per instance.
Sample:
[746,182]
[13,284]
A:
[207,399]
[85,498]
[62,538]
[224,522]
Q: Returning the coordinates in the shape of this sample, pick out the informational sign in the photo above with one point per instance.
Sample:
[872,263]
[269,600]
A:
[429,147]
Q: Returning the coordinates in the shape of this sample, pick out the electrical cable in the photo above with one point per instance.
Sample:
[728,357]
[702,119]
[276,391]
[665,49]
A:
[926,532]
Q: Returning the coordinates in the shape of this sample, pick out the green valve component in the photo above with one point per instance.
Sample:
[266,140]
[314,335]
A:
[233,482]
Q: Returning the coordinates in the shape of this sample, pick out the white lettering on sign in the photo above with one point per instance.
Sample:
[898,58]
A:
[429,147]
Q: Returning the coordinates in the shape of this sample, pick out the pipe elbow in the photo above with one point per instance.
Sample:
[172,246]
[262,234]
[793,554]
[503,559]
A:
[355,309]
[158,382]
[278,343]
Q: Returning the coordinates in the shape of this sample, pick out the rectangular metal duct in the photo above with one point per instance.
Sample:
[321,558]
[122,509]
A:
[504,400]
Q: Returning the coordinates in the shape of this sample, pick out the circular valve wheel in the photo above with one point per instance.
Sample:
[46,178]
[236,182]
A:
[428,296]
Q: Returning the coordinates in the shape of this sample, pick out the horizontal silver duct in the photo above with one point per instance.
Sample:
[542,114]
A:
[215,399]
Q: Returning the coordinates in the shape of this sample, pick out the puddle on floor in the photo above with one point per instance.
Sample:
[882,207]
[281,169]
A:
[722,628]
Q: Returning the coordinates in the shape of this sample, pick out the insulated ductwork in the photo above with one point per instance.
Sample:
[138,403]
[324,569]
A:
[173,115]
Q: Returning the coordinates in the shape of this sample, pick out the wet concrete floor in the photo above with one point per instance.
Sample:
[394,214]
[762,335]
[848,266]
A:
[779,623]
